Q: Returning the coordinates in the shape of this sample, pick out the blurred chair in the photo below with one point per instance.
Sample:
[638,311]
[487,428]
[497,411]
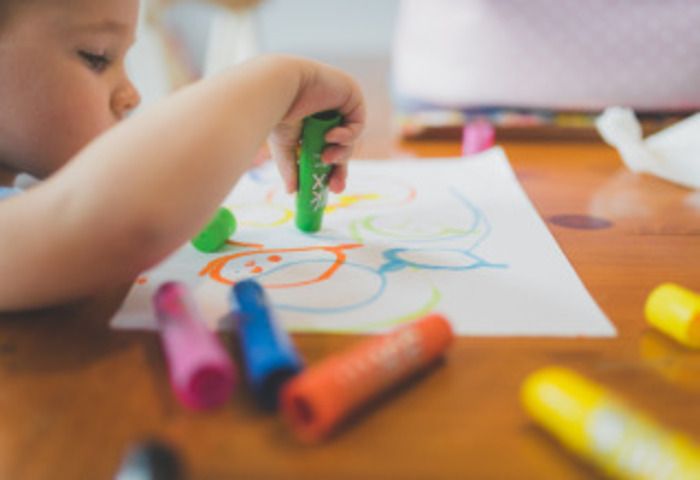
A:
[181,41]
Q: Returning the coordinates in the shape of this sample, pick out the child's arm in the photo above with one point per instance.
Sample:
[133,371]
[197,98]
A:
[148,185]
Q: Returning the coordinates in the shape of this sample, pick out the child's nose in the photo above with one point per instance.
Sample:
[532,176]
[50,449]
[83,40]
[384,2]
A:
[125,99]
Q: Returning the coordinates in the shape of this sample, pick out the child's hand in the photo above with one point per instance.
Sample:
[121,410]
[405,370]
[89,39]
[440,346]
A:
[321,88]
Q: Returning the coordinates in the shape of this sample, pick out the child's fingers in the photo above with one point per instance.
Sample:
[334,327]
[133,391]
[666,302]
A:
[287,168]
[342,135]
[326,88]
[353,115]
[283,147]
[336,154]
[288,171]
[336,183]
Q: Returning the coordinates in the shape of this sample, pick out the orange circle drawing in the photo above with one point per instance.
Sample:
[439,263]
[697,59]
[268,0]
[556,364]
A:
[214,268]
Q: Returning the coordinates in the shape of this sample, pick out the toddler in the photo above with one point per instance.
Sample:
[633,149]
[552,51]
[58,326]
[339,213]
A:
[119,194]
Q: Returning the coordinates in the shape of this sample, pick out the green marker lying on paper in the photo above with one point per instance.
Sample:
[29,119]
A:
[215,234]
[313,173]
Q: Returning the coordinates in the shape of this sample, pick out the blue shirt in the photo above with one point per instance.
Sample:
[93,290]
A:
[8,192]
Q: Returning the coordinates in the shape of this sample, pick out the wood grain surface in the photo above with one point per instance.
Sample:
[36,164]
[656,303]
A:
[74,395]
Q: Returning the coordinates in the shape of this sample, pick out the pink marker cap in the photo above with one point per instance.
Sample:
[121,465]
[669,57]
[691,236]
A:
[477,136]
[201,371]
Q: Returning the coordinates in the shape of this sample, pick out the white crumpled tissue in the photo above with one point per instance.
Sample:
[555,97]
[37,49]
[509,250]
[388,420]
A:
[672,154]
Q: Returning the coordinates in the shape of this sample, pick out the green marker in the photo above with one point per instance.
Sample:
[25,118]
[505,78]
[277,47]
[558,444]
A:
[217,232]
[313,173]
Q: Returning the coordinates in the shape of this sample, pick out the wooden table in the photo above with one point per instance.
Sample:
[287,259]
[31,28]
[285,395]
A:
[75,395]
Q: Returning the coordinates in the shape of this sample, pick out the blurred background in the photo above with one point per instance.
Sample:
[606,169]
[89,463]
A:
[320,29]
[532,70]
[181,41]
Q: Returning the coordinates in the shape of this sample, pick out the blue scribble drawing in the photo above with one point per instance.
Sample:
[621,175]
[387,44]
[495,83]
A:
[381,286]
[437,258]
[263,174]
[425,258]
[395,261]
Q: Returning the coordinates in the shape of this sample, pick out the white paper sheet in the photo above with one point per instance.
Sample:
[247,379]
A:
[457,236]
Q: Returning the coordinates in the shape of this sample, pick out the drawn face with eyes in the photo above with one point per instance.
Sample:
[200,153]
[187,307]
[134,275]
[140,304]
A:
[63,79]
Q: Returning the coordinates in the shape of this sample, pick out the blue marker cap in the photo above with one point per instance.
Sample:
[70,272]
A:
[269,355]
[152,460]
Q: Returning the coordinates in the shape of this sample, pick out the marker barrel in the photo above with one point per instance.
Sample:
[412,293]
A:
[313,173]
[675,310]
[217,232]
[269,354]
[596,425]
[201,372]
[318,399]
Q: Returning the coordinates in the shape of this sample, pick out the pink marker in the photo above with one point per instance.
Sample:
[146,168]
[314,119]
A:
[477,136]
[201,371]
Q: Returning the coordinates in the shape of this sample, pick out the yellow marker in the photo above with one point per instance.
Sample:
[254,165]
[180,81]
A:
[601,428]
[675,311]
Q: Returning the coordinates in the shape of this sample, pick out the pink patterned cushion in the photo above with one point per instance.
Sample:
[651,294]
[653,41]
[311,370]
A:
[561,54]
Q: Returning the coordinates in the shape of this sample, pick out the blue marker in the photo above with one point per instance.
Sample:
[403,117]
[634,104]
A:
[269,356]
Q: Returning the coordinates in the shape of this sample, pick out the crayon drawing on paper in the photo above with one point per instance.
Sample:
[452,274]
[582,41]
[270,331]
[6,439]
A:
[457,236]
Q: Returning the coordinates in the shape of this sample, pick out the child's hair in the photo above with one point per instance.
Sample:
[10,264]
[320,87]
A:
[9,7]
[5,10]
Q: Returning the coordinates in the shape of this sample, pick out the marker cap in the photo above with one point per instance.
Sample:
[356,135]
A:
[477,136]
[217,232]
[675,310]
[561,401]
[201,372]
[152,460]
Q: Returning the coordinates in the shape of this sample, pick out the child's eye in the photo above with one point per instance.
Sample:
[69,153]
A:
[96,62]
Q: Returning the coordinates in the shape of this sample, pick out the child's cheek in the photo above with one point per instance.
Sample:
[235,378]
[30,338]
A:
[75,122]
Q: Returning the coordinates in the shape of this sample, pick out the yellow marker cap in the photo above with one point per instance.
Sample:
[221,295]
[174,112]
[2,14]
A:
[675,310]
[561,401]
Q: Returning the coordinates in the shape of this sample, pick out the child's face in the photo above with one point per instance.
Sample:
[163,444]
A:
[62,79]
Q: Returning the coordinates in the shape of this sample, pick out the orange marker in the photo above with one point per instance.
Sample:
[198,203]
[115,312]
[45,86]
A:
[316,400]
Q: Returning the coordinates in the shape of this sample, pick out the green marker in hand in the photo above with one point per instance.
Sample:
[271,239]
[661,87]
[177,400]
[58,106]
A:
[313,173]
